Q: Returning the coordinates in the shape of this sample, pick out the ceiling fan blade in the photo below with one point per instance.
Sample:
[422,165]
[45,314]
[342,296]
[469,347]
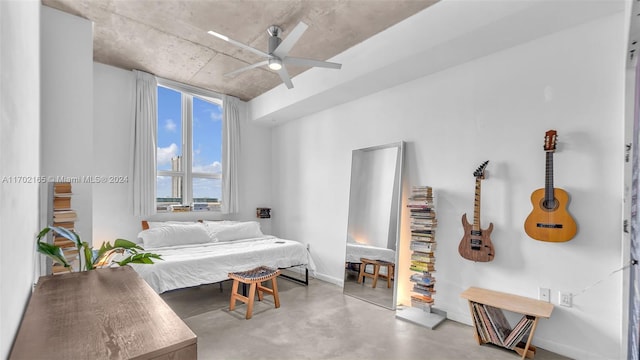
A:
[239,44]
[258,64]
[284,75]
[285,46]
[296,61]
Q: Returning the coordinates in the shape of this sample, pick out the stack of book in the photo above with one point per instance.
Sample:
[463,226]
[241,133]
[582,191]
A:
[63,216]
[423,231]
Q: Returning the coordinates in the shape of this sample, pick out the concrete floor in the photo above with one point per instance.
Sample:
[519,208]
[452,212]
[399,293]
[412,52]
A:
[319,322]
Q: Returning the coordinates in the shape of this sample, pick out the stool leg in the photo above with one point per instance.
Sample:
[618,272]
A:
[361,273]
[260,293]
[274,287]
[376,270]
[389,271]
[252,295]
[234,292]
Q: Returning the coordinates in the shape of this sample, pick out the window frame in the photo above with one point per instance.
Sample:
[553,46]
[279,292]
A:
[188,93]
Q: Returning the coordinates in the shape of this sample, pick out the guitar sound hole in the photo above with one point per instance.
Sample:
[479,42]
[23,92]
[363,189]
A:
[550,204]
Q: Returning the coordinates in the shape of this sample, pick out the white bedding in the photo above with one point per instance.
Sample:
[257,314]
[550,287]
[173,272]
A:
[357,251]
[191,265]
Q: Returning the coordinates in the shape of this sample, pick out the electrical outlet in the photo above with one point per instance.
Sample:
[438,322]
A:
[564,298]
[544,294]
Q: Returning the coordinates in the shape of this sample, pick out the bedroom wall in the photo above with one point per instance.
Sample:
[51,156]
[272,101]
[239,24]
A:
[67,107]
[112,217]
[494,108]
[19,157]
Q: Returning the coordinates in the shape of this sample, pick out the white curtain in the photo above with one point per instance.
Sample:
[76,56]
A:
[232,113]
[143,189]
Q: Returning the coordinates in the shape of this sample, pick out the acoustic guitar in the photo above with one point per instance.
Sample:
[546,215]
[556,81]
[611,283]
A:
[549,220]
[476,244]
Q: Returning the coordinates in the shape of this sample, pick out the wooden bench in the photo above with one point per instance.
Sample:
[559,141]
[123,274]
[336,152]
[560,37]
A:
[376,271]
[528,307]
[254,278]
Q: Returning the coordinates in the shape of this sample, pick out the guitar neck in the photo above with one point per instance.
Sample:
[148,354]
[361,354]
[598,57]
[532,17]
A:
[476,207]
[548,181]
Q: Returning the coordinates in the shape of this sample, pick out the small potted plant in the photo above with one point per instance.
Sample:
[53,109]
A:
[122,251]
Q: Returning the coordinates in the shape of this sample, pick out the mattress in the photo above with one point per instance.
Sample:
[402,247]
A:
[193,265]
[357,251]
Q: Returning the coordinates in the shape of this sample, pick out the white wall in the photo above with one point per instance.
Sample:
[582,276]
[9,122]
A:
[67,106]
[113,91]
[494,108]
[112,217]
[19,157]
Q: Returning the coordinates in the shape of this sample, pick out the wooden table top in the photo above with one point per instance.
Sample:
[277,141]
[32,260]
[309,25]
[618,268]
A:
[98,314]
[510,302]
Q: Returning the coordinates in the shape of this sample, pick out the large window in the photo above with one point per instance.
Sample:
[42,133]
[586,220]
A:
[189,151]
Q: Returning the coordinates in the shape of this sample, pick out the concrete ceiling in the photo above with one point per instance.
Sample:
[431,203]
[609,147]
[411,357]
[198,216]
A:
[169,38]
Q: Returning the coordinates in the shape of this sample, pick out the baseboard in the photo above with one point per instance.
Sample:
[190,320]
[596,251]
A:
[330,279]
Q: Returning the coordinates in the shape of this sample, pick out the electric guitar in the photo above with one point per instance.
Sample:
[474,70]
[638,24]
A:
[476,244]
[549,220]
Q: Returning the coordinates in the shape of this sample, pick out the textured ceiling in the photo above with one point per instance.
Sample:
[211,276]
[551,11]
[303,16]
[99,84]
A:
[169,38]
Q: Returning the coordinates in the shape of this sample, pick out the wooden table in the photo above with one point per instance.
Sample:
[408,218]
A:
[514,303]
[101,314]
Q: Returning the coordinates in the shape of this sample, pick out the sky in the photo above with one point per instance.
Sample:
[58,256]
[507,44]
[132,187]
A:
[207,141]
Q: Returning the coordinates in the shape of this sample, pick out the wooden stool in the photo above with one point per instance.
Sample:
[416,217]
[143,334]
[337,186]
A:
[254,278]
[376,271]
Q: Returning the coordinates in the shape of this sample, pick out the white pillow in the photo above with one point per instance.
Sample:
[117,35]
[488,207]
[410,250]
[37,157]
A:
[157,224]
[213,224]
[235,231]
[194,233]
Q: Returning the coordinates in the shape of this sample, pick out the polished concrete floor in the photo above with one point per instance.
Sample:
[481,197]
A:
[319,322]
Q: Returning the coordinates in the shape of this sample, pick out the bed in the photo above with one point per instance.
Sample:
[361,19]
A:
[205,252]
[356,251]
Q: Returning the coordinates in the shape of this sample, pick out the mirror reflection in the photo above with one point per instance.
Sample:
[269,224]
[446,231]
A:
[373,226]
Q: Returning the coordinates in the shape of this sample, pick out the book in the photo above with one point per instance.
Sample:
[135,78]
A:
[62,188]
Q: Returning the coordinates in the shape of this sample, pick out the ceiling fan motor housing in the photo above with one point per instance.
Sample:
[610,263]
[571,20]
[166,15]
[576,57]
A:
[274,39]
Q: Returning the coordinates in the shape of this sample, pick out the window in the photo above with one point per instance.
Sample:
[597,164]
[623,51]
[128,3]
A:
[189,150]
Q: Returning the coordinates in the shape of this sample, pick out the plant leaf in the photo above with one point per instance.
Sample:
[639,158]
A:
[106,246]
[43,233]
[68,234]
[126,244]
[53,252]
[88,256]
[144,258]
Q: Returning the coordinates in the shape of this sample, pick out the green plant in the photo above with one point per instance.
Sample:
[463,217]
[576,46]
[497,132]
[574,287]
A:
[94,259]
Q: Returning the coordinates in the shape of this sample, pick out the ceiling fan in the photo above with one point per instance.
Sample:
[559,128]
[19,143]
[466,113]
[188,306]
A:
[277,55]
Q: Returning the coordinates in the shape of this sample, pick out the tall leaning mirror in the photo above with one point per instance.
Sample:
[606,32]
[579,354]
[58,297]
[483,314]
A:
[374,224]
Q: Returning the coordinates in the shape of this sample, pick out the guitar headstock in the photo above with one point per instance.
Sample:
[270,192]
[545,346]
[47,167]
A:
[550,141]
[479,173]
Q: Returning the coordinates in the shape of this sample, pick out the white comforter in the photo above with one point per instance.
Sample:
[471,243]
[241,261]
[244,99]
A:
[192,265]
[357,251]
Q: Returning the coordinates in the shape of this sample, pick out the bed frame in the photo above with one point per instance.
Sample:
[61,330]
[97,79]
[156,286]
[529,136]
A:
[145,226]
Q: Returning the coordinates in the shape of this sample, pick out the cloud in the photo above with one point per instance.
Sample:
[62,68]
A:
[170,125]
[215,115]
[165,154]
[215,167]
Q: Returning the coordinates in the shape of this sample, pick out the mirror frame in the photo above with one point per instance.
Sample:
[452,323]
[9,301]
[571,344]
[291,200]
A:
[397,208]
